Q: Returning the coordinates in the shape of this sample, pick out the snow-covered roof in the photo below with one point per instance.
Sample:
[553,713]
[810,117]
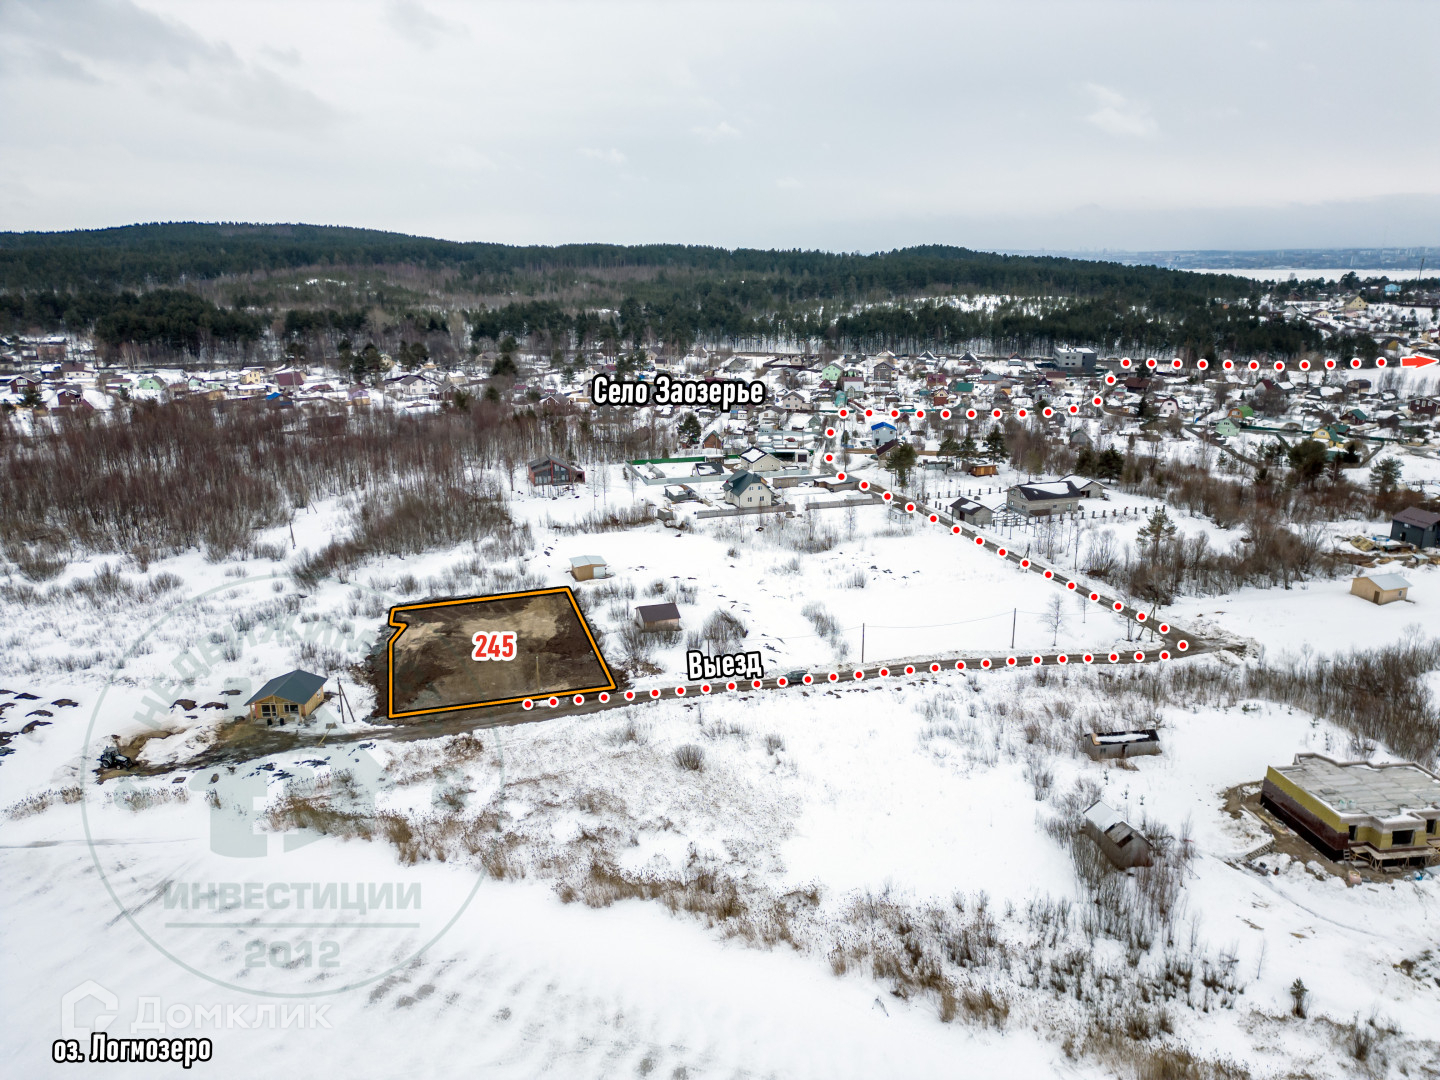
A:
[1386,582]
[1103,816]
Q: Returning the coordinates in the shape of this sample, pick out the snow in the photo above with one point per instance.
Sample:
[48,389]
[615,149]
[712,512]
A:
[1322,615]
[913,791]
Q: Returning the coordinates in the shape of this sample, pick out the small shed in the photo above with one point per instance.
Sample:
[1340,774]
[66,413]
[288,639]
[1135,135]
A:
[1120,744]
[657,617]
[971,512]
[1120,842]
[678,493]
[1416,526]
[983,470]
[588,567]
[1381,588]
[292,696]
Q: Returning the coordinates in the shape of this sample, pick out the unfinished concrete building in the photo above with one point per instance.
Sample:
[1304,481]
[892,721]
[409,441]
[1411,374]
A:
[1387,814]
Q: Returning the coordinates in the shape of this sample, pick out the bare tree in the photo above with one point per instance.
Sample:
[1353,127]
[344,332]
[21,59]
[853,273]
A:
[1055,618]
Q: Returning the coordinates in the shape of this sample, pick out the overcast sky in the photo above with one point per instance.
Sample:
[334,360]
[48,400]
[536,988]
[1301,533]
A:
[1065,126]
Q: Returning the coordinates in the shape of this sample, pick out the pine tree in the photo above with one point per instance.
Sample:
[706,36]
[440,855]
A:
[995,443]
[689,430]
[1385,476]
[1157,530]
[900,461]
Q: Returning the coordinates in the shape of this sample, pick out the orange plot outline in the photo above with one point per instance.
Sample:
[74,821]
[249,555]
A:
[402,627]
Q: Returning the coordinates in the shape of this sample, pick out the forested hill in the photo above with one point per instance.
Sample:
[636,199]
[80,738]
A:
[140,284]
[170,254]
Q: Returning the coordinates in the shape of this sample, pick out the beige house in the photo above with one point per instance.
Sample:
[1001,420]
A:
[758,461]
[748,491]
[1381,588]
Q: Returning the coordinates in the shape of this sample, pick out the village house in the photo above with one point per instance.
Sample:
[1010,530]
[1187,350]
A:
[1052,497]
[1072,359]
[1087,488]
[546,472]
[292,696]
[747,491]
[760,461]
[1416,526]
[793,400]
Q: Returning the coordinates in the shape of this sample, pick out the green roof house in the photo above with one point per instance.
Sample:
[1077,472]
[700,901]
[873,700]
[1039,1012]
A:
[294,695]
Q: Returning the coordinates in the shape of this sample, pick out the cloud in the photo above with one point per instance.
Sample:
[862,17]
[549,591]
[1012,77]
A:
[258,97]
[610,157]
[118,43]
[287,57]
[109,32]
[788,182]
[55,63]
[719,131]
[418,25]
[1117,114]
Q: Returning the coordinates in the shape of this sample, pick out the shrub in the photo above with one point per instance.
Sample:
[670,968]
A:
[690,757]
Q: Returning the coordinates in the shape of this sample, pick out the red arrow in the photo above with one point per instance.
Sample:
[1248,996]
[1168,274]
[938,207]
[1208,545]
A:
[1418,361]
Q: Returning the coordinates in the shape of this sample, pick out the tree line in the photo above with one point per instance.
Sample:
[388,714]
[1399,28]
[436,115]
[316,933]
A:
[597,296]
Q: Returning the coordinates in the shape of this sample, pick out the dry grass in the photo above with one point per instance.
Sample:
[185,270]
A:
[690,757]
[41,801]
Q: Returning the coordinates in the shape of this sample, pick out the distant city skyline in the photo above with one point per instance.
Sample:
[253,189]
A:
[1110,126]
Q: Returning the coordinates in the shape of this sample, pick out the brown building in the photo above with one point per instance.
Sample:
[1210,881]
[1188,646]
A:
[1120,842]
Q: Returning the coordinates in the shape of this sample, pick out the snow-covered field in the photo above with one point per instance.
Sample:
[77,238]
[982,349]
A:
[864,882]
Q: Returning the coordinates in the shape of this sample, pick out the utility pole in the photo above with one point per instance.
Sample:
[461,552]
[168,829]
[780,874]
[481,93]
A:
[862,644]
[1014,615]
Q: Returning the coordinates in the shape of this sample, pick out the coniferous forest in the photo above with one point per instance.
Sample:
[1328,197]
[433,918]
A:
[188,288]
